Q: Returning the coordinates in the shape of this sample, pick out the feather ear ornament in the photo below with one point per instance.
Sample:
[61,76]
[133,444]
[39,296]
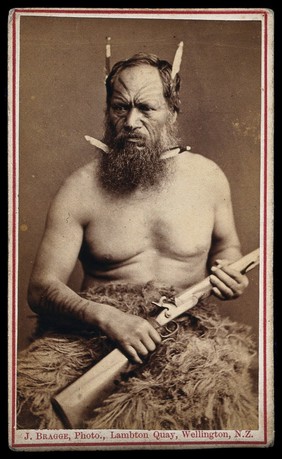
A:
[177,61]
[108,58]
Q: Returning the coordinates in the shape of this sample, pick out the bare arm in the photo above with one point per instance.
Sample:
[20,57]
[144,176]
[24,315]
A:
[225,241]
[56,258]
[228,283]
[49,294]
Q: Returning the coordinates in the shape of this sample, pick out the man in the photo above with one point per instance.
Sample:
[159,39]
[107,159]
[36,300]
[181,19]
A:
[137,213]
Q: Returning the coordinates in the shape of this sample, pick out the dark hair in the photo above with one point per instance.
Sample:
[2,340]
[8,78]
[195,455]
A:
[170,88]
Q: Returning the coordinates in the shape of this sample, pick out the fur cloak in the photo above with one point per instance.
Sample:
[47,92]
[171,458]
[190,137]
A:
[200,376]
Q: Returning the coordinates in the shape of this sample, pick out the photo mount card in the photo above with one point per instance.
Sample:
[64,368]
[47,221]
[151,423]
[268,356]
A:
[58,62]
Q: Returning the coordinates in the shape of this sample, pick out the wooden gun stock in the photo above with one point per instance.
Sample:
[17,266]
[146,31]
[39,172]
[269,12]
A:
[75,402]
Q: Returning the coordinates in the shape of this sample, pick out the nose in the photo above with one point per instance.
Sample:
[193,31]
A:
[133,119]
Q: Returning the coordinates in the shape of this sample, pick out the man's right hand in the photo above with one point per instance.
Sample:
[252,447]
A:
[133,335]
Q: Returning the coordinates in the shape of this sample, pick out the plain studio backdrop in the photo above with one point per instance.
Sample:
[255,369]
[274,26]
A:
[62,99]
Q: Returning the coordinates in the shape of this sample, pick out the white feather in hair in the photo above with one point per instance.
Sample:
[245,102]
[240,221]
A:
[177,60]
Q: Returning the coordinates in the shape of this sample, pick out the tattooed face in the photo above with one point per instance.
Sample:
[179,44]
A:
[139,128]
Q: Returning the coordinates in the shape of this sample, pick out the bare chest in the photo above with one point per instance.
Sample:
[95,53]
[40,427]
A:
[172,225]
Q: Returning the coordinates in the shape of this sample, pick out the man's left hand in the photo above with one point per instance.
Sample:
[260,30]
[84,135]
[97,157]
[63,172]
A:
[228,283]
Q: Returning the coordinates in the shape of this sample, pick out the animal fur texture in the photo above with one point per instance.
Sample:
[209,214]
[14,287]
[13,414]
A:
[200,377]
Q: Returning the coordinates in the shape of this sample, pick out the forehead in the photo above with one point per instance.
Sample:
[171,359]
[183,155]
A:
[142,80]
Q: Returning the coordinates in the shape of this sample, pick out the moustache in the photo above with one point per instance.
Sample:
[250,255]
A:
[125,137]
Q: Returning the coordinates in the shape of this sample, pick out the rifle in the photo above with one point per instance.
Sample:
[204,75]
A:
[73,403]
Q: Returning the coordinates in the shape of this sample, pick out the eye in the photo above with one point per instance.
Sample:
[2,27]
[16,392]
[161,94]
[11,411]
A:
[119,108]
[145,108]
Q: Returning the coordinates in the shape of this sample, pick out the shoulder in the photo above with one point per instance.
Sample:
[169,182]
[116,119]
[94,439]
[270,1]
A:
[76,192]
[205,170]
[81,176]
[199,162]
[80,181]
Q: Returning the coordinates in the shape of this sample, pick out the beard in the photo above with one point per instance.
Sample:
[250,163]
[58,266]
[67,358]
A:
[136,165]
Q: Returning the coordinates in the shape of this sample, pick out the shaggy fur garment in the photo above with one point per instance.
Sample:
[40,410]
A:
[198,378]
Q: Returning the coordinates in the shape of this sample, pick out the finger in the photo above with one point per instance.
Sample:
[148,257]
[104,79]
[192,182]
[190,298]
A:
[149,344]
[155,335]
[236,275]
[226,291]
[221,263]
[228,280]
[218,293]
[132,354]
[141,349]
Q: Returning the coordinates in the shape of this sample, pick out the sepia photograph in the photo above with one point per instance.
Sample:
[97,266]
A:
[140,229]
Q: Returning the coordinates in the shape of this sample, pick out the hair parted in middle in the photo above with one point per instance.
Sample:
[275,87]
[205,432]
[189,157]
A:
[171,87]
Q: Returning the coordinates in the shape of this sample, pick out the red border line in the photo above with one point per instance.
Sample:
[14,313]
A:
[14,226]
[161,443]
[265,227]
[132,11]
[14,219]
